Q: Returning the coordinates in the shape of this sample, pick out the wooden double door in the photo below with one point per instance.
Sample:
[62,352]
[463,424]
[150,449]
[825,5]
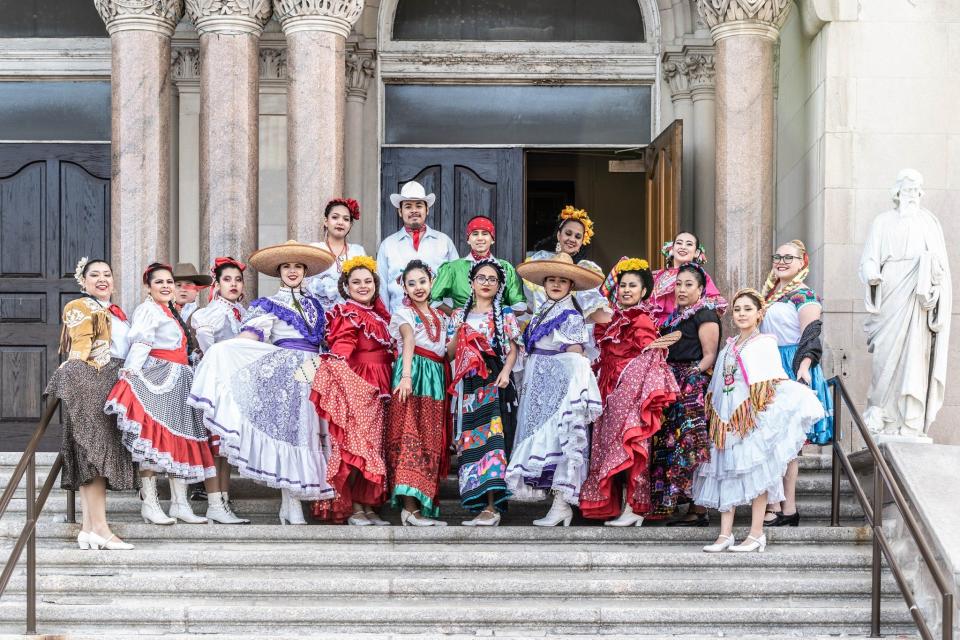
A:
[54,209]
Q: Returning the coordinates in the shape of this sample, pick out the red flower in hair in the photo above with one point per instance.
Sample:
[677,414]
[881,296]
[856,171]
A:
[352,206]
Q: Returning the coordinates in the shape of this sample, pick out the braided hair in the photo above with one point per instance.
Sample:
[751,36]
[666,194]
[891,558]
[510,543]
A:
[499,339]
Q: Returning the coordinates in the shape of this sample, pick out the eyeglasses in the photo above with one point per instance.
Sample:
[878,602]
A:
[785,259]
[486,279]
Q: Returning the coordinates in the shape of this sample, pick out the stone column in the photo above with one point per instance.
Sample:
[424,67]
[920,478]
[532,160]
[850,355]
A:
[676,70]
[316,96]
[229,134]
[140,35]
[744,33]
[702,91]
[361,67]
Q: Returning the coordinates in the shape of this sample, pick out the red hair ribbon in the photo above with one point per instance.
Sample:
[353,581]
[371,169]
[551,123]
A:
[352,206]
[482,223]
[220,262]
[154,267]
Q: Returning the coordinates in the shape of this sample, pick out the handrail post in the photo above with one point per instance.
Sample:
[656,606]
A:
[32,545]
[72,507]
[835,462]
[877,554]
[946,619]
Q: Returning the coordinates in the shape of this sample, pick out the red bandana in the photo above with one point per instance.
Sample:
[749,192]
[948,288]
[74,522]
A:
[117,312]
[482,223]
[415,234]
[477,257]
[236,313]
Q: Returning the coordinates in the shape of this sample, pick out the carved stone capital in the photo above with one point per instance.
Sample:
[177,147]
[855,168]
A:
[361,66]
[160,16]
[676,72]
[334,16]
[703,72]
[229,16]
[273,64]
[762,18]
[185,63]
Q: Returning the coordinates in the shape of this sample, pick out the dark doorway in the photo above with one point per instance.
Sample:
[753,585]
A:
[54,209]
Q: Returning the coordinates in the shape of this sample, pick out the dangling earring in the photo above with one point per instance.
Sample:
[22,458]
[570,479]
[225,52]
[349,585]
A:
[557,249]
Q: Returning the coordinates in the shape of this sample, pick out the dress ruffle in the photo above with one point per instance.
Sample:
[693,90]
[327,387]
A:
[820,433]
[747,467]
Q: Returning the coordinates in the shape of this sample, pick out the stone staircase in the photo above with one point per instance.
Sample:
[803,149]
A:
[264,580]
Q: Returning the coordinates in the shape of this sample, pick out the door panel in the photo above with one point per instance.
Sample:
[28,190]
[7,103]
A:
[54,209]
[467,182]
[663,161]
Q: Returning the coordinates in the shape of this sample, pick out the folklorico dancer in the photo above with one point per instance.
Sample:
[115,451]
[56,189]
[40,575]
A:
[267,426]
[485,342]
[350,388]
[792,316]
[162,434]
[453,278]
[574,233]
[636,384]
[684,249]
[338,218]
[94,339]
[559,397]
[758,421]
[418,414]
[682,444]
[415,240]
[221,320]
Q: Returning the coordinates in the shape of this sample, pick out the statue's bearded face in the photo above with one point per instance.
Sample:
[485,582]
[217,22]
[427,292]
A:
[909,195]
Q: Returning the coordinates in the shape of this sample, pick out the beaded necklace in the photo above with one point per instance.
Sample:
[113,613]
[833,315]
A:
[431,325]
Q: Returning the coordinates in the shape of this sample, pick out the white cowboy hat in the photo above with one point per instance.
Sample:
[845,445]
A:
[412,190]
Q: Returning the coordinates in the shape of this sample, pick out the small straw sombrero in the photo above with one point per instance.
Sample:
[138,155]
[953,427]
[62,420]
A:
[561,266]
[268,260]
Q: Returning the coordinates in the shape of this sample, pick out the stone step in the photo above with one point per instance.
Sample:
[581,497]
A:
[501,635]
[480,615]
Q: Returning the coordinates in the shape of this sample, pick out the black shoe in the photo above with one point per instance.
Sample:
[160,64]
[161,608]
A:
[785,521]
[198,492]
[701,520]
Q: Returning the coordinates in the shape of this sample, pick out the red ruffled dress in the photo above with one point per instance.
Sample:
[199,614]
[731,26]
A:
[636,386]
[350,390]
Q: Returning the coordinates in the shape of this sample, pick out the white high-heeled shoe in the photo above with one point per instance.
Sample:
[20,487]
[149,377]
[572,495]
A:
[218,511]
[180,503]
[83,540]
[375,518]
[751,544]
[717,547]
[150,509]
[626,519]
[415,519]
[482,521]
[359,519]
[113,543]
[559,512]
[290,510]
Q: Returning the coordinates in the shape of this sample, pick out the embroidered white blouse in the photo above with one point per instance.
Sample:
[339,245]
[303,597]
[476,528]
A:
[267,317]
[216,322]
[406,315]
[150,328]
[324,285]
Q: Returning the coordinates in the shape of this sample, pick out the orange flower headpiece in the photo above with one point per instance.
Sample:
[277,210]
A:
[580,215]
[360,262]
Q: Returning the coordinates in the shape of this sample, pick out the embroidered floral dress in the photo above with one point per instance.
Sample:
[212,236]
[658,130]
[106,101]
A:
[160,430]
[418,427]
[636,387]
[267,426]
[559,398]
[350,390]
[782,319]
[485,414]
[758,421]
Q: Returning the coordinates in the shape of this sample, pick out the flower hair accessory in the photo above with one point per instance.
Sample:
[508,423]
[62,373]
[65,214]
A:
[632,264]
[352,206]
[358,262]
[78,273]
[580,215]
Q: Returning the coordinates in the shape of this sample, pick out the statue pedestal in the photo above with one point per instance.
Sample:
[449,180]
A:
[890,438]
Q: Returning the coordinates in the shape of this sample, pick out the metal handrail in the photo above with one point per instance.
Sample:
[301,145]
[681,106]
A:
[884,480]
[28,537]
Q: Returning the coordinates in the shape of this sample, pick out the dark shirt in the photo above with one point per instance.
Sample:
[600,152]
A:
[688,348]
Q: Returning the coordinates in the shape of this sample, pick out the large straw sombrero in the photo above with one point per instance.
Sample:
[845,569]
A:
[268,260]
[560,265]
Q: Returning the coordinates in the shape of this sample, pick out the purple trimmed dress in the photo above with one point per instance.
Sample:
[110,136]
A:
[268,427]
[559,399]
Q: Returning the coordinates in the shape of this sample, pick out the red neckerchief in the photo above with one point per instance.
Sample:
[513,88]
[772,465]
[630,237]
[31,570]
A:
[415,234]
[477,257]
[236,314]
[117,312]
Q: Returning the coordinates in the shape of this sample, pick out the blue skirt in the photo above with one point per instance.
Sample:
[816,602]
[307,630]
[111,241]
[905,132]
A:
[822,432]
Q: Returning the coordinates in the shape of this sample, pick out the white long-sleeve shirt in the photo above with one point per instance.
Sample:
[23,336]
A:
[217,321]
[151,328]
[397,250]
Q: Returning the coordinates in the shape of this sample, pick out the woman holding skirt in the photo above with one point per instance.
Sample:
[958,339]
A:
[485,345]
[758,420]
[94,339]
[162,433]
[417,423]
[267,426]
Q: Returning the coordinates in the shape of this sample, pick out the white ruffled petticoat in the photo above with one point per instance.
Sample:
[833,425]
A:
[268,427]
[558,401]
[747,467]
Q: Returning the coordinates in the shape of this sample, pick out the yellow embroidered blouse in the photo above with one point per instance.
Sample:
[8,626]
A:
[86,332]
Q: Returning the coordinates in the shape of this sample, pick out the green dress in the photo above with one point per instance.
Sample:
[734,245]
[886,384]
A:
[453,281]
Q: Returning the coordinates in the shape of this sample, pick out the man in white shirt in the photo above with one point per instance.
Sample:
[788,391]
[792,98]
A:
[415,240]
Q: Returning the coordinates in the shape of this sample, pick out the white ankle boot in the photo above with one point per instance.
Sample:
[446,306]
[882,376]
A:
[150,508]
[290,510]
[180,504]
[219,511]
[559,512]
[626,519]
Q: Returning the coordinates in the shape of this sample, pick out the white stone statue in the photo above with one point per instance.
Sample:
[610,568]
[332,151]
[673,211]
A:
[908,299]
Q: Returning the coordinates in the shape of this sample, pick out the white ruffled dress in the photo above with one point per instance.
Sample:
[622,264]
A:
[758,422]
[559,398]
